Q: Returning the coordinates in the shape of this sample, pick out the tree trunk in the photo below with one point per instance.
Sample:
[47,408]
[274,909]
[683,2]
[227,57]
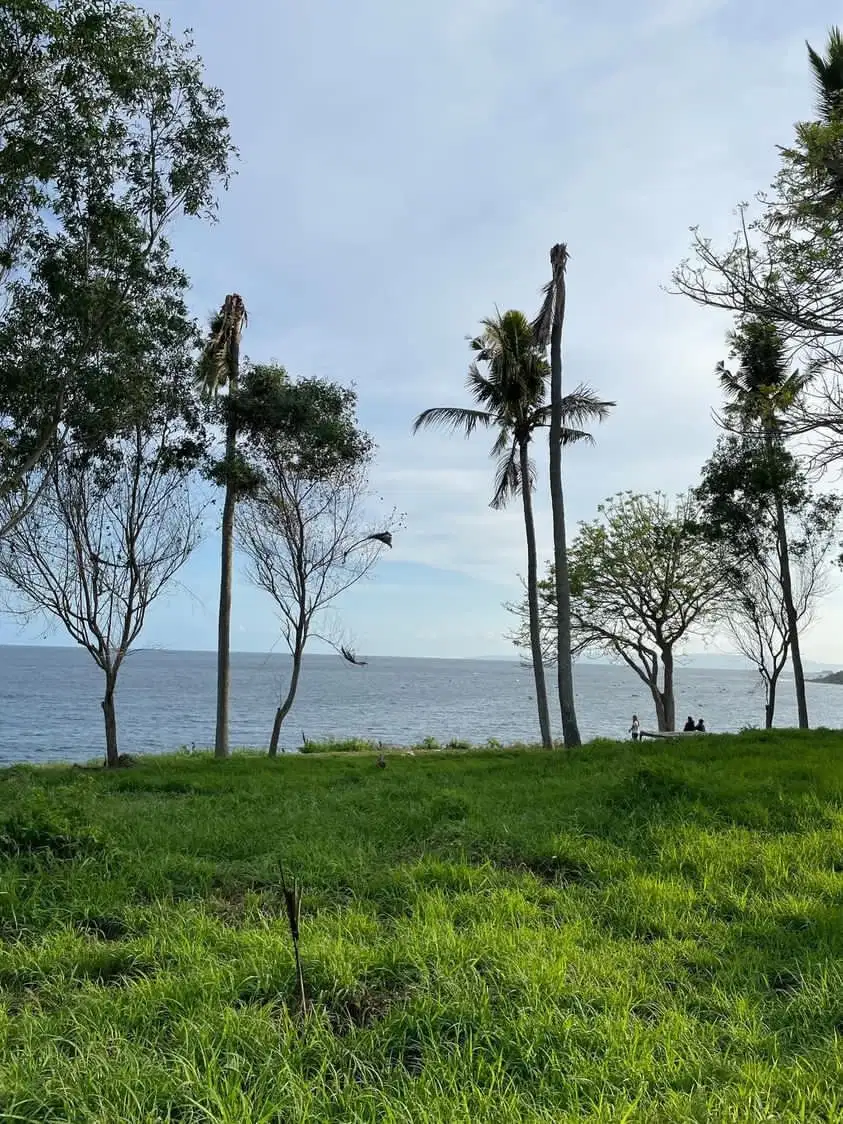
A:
[787,586]
[285,707]
[221,746]
[110,715]
[669,701]
[770,705]
[658,702]
[533,599]
[564,661]
[790,611]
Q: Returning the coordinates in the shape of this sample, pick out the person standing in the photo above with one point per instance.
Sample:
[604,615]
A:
[635,728]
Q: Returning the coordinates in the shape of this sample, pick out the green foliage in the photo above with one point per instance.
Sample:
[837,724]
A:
[609,934]
[108,134]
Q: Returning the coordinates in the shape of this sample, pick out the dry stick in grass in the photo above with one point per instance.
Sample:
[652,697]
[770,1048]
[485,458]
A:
[292,900]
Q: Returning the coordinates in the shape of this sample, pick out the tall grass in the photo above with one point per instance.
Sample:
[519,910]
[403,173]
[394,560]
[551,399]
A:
[611,934]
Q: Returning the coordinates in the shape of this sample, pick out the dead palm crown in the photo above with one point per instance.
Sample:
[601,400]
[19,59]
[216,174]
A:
[510,397]
[220,358]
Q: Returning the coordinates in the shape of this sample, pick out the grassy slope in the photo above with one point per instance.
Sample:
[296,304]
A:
[611,934]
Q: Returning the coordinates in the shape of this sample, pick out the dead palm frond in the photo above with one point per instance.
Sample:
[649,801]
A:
[220,356]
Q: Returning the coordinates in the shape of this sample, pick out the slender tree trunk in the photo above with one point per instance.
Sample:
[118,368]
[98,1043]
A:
[564,661]
[110,715]
[792,617]
[770,705]
[787,591]
[533,599]
[221,746]
[667,692]
[285,707]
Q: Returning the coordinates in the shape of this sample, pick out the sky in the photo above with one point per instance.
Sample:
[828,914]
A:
[404,169]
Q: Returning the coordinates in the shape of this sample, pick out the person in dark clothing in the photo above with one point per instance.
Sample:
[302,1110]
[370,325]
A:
[700,727]
[689,726]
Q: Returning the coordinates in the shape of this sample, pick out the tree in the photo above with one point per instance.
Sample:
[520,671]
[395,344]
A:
[107,535]
[784,266]
[548,330]
[107,135]
[219,368]
[756,616]
[302,525]
[759,394]
[510,397]
[302,537]
[642,579]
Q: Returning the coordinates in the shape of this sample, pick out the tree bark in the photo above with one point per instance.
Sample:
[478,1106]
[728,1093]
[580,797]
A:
[787,587]
[668,693]
[533,599]
[110,715]
[285,707]
[770,705]
[221,746]
[790,611]
[658,701]
[564,661]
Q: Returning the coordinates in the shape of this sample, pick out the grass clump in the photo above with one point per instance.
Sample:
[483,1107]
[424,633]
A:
[647,934]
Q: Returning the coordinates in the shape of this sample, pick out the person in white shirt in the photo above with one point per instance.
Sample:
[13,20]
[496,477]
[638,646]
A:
[635,728]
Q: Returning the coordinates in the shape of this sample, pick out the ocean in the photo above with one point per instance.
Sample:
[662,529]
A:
[49,701]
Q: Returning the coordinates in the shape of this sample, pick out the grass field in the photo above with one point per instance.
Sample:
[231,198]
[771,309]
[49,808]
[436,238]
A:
[615,934]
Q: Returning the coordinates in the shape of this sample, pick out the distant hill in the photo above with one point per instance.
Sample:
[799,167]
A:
[830,677]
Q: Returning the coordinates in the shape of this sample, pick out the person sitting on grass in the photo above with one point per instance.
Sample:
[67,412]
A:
[689,726]
[700,727]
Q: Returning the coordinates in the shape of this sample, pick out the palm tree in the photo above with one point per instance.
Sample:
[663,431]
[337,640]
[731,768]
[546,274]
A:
[548,330]
[828,76]
[759,395]
[219,367]
[510,398]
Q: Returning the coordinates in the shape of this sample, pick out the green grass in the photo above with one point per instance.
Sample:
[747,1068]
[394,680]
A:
[616,934]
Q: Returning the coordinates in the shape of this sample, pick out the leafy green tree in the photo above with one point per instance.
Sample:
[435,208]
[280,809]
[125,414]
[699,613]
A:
[291,449]
[108,134]
[784,265]
[510,398]
[643,578]
[751,486]
[738,512]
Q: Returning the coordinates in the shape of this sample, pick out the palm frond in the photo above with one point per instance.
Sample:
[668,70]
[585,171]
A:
[543,323]
[453,418]
[573,436]
[507,478]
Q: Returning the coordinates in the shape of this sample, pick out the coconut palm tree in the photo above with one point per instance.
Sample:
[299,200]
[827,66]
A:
[219,368]
[548,331]
[759,395]
[510,398]
[828,76]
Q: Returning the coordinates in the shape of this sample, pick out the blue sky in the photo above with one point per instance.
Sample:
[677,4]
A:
[406,168]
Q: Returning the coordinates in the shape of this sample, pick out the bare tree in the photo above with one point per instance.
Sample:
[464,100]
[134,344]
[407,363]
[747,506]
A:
[307,542]
[757,618]
[101,544]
